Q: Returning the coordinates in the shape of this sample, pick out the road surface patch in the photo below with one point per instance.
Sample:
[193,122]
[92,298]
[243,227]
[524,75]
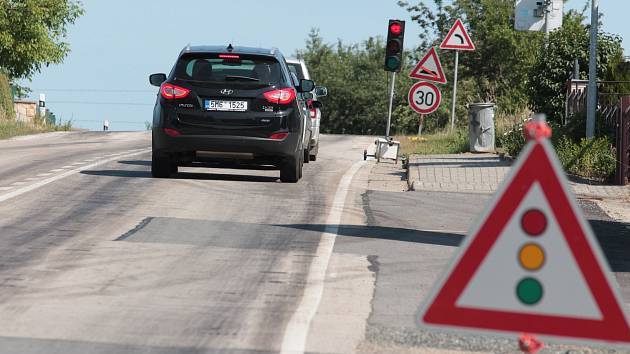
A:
[296,332]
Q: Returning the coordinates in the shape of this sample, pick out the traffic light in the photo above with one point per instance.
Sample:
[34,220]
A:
[394,48]
[531,257]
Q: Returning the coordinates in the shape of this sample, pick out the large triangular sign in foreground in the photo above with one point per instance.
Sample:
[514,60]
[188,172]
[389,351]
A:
[532,265]
[457,38]
[429,68]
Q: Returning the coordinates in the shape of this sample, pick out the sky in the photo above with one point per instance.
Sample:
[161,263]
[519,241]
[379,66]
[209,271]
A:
[117,44]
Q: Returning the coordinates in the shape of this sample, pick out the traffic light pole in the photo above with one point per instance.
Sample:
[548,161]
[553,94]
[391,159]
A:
[391,103]
[454,91]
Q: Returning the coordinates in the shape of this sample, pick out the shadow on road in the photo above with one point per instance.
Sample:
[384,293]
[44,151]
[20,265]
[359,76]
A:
[136,162]
[387,233]
[182,175]
[614,239]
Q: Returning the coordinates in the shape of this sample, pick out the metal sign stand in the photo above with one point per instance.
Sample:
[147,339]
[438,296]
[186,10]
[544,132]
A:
[386,148]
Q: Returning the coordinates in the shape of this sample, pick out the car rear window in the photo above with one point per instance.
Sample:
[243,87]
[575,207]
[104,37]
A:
[297,69]
[229,68]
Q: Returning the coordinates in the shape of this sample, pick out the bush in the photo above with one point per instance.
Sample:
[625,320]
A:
[588,158]
[513,140]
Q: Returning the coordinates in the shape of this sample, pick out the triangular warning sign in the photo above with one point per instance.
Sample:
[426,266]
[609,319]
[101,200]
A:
[457,38]
[429,68]
[532,265]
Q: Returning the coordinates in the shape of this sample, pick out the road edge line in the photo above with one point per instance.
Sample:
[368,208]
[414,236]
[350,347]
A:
[52,179]
[296,331]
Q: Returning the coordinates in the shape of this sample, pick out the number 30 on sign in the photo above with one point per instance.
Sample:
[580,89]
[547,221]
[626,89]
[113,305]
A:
[424,97]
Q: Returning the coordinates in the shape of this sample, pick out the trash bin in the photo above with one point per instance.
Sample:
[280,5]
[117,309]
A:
[481,127]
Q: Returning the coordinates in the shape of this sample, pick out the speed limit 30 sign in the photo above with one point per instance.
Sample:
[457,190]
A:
[424,97]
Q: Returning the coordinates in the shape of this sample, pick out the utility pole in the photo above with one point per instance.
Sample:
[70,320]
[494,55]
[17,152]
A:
[547,4]
[592,73]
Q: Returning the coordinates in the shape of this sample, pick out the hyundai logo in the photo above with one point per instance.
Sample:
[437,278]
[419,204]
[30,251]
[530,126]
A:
[226,92]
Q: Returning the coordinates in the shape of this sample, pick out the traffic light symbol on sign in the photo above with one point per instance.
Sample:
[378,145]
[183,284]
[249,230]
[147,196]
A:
[394,46]
[531,257]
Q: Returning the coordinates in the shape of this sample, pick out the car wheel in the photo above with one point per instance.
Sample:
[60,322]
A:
[302,166]
[161,165]
[174,167]
[313,155]
[291,169]
[306,156]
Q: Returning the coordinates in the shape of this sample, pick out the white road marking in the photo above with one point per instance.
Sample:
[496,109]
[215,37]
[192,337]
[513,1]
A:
[31,179]
[296,332]
[78,163]
[57,170]
[18,183]
[5,188]
[44,174]
[34,186]
[66,167]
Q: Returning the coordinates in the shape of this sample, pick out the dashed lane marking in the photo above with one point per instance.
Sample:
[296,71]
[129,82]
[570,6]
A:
[44,174]
[36,185]
[5,188]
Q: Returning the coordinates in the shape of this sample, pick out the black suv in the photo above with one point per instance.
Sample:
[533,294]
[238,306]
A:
[230,104]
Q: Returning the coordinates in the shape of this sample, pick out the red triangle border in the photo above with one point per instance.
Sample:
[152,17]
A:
[537,167]
[415,73]
[458,24]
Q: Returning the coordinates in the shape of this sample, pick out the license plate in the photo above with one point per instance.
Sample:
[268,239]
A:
[229,106]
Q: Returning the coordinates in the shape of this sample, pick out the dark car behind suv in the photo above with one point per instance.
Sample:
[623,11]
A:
[230,103]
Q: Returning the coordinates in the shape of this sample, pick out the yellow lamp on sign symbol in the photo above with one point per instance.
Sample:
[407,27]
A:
[531,257]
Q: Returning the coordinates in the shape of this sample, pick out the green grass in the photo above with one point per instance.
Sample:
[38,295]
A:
[434,144]
[10,128]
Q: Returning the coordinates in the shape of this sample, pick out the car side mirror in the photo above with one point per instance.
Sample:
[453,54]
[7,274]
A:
[157,79]
[306,86]
[321,91]
[317,104]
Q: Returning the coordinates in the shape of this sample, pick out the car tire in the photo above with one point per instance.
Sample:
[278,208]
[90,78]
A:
[313,154]
[161,165]
[291,169]
[174,167]
[306,156]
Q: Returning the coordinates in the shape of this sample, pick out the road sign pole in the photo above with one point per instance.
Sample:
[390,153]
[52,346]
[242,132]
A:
[592,73]
[391,103]
[454,92]
[420,124]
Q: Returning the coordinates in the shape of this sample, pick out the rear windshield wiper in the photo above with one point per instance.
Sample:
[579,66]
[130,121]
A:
[236,77]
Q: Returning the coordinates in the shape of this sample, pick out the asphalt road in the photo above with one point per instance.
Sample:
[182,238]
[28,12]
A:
[98,257]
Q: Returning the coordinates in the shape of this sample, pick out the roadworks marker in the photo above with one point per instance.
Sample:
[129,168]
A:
[532,265]
[429,68]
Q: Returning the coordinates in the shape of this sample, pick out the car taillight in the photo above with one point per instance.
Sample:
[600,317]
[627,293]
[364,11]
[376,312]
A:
[281,96]
[278,136]
[313,113]
[171,92]
[172,132]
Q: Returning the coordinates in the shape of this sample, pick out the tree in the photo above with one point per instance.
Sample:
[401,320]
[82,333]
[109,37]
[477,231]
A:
[357,83]
[32,34]
[498,70]
[554,66]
